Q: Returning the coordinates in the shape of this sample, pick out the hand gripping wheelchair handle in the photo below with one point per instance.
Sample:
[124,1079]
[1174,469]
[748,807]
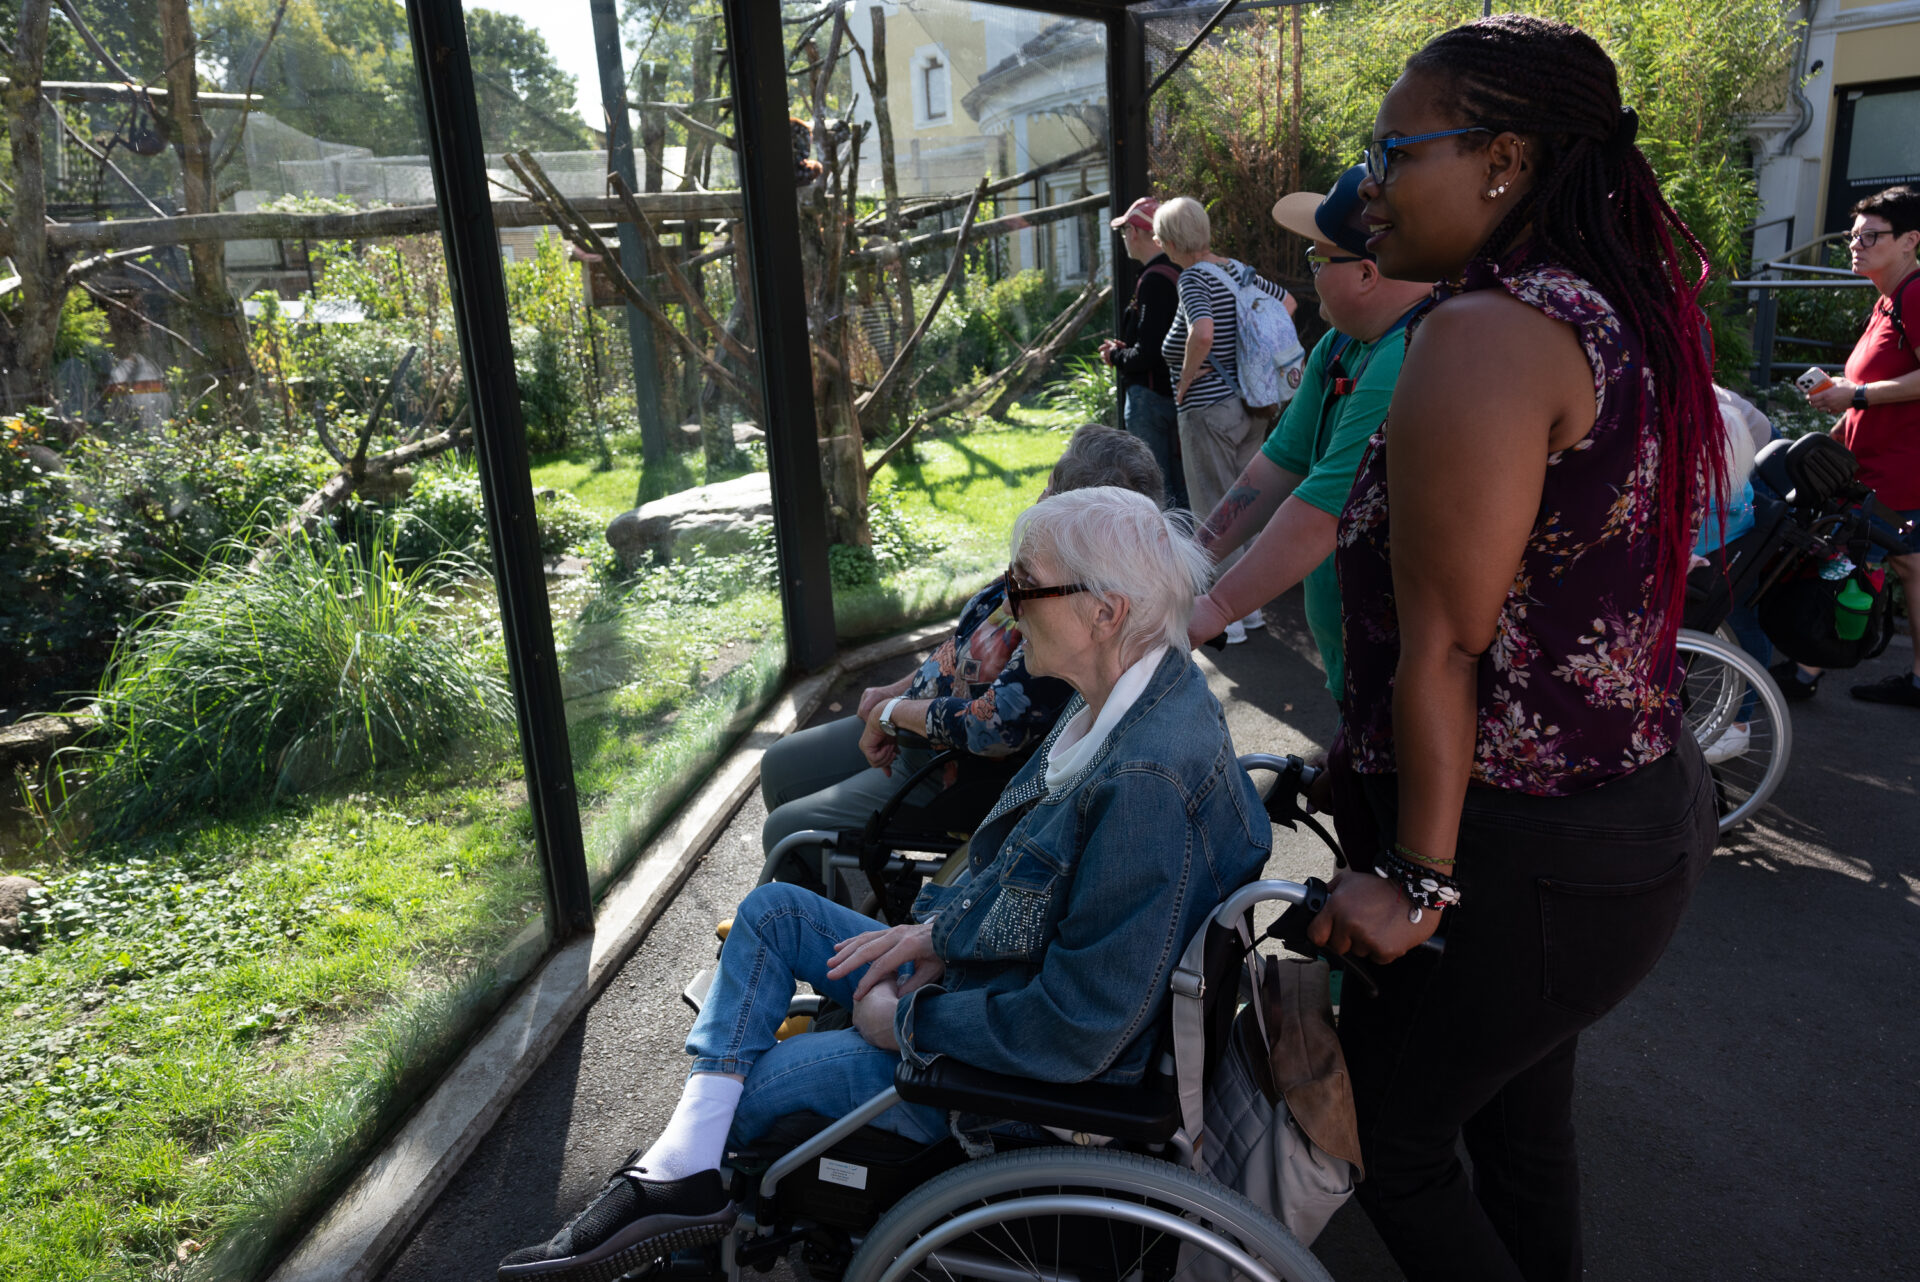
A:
[1291,927]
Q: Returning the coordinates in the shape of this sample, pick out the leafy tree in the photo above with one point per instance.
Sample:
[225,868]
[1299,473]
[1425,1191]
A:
[526,100]
[336,69]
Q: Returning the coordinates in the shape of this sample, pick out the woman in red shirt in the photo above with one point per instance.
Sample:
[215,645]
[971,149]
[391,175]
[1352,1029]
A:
[1881,399]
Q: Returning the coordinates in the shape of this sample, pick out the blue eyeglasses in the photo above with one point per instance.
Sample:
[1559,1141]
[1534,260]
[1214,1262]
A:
[1380,150]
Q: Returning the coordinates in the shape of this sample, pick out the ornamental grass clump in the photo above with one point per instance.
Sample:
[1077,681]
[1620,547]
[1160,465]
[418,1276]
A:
[330,659]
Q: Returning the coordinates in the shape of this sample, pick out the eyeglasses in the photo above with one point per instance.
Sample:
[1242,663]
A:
[1867,239]
[1380,151]
[1316,260]
[1016,593]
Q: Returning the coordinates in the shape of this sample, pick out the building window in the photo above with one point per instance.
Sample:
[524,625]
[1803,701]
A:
[932,86]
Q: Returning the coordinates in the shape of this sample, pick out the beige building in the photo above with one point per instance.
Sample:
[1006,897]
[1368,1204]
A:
[1853,130]
[977,89]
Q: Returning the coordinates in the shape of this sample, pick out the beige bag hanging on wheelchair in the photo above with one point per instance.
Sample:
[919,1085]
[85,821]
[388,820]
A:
[1278,1113]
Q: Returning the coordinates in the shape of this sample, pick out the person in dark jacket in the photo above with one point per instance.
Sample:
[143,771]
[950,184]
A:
[1146,385]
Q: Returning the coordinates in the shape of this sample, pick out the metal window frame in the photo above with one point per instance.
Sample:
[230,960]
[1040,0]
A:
[456,155]
[438,33]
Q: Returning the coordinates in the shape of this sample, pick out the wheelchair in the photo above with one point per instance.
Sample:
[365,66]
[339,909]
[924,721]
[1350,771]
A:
[1809,507]
[1095,1182]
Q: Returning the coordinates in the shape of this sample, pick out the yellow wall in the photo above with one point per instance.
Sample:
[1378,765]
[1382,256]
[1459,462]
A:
[1883,53]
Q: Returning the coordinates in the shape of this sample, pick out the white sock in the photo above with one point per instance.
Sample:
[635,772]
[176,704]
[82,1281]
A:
[696,1134]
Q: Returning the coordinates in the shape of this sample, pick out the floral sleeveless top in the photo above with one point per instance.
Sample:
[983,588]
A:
[1570,693]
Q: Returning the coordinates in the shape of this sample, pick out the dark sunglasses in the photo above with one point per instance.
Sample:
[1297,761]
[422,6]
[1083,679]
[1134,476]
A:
[1016,594]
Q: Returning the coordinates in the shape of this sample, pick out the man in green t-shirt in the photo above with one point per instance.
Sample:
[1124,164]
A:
[1292,493]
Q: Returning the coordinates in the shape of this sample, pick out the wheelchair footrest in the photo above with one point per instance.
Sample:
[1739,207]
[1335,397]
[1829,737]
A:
[1137,1113]
[695,993]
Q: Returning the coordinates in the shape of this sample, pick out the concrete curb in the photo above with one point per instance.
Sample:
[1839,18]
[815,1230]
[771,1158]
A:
[379,1210]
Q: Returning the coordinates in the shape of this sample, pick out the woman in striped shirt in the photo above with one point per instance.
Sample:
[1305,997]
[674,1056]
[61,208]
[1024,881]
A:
[1218,436]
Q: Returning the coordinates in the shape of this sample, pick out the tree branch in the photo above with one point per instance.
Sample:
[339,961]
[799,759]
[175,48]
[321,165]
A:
[695,307]
[107,60]
[358,463]
[920,212]
[239,130]
[674,112]
[86,145]
[877,396]
[934,241]
[562,212]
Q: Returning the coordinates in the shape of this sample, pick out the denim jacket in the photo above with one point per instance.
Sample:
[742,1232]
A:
[1060,937]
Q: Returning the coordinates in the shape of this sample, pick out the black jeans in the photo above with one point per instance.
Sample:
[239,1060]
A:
[1566,904]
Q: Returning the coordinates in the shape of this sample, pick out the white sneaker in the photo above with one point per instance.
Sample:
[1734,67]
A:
[1255,620]
[1236,632]
[1733,742]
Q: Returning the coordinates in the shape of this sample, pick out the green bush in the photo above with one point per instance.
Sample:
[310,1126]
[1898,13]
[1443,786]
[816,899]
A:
[1088,391]
[564,522]
[329,660]
[900,542]
[88,548]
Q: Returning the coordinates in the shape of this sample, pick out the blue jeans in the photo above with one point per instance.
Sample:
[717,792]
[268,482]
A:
[1152,417]
[781,935]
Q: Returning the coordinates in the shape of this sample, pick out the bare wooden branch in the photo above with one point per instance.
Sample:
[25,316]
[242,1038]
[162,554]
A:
[107,60]
[576,228]
[927,209]
[369,224]
[658,253]
[932,242]
[674,112]
[877,396]
[357,465]
[100,262]
[1013,377]
[117,91]
[246,110]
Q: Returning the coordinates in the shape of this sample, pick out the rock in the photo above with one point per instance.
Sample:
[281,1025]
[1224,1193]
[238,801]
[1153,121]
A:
[33,740]
[745,432]
[720,518]
[49,463]
[15,893]
[689,434]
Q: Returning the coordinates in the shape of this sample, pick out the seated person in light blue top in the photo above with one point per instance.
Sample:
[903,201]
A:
[1292,493]
[1048,958]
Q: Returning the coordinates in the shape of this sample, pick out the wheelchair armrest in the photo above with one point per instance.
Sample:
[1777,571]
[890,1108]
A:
[1137,1113]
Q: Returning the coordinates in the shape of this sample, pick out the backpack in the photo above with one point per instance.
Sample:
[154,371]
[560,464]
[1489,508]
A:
[1274,1119]
[1267,348]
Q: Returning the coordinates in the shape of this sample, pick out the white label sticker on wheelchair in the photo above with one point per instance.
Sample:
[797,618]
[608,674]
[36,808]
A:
[832,1172]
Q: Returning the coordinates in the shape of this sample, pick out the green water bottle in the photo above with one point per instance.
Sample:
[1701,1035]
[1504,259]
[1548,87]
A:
[1850,612]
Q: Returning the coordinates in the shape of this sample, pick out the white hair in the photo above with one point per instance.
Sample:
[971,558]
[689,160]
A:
[1182,225]
[1121,546]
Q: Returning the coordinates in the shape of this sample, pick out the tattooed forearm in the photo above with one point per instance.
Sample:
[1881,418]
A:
[1223,517]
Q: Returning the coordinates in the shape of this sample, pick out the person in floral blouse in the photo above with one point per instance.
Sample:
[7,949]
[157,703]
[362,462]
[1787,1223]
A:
[1512,564]
[973,692]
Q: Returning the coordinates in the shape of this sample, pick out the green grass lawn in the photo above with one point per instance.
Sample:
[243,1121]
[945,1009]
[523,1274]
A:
[220,1019]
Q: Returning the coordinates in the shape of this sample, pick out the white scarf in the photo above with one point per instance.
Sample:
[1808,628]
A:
[1082,738]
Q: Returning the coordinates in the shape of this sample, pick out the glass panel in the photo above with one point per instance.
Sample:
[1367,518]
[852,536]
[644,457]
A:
[1886,137]
[641,387]
[957,400]
[288,867]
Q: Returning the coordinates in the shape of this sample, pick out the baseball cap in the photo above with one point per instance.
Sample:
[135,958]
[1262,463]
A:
[1334,217]
[1139,213]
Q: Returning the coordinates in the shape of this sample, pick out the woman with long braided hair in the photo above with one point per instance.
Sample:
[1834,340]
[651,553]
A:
[1512,562]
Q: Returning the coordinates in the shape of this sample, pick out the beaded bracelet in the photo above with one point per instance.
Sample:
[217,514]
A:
[1426,887]
[1401,848]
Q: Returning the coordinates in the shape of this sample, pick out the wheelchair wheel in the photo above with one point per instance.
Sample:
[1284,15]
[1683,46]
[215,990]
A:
[1079,1215]
[1723,684]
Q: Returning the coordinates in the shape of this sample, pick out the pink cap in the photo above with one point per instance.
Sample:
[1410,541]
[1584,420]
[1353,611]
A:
[1139,213]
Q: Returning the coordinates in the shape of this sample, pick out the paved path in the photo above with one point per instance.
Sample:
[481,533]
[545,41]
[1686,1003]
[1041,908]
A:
[1751,1112]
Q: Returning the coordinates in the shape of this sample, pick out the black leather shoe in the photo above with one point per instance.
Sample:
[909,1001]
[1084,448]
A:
[1894,689]
[632,1222]
[1786,675]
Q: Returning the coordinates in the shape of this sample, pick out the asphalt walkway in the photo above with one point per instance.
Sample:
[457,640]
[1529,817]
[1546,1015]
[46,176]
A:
[1751,1112]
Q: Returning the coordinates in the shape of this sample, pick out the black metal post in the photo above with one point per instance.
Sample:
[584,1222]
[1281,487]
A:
[772,222]
[1765,319]
[479,288]
[633,250]
[1128,101]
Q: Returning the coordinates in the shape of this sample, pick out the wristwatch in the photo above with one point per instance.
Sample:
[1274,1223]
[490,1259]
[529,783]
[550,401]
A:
[1860,398]
[886,716]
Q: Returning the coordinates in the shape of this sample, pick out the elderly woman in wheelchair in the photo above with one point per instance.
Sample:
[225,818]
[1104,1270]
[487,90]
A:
[974,701]
[1049,958]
